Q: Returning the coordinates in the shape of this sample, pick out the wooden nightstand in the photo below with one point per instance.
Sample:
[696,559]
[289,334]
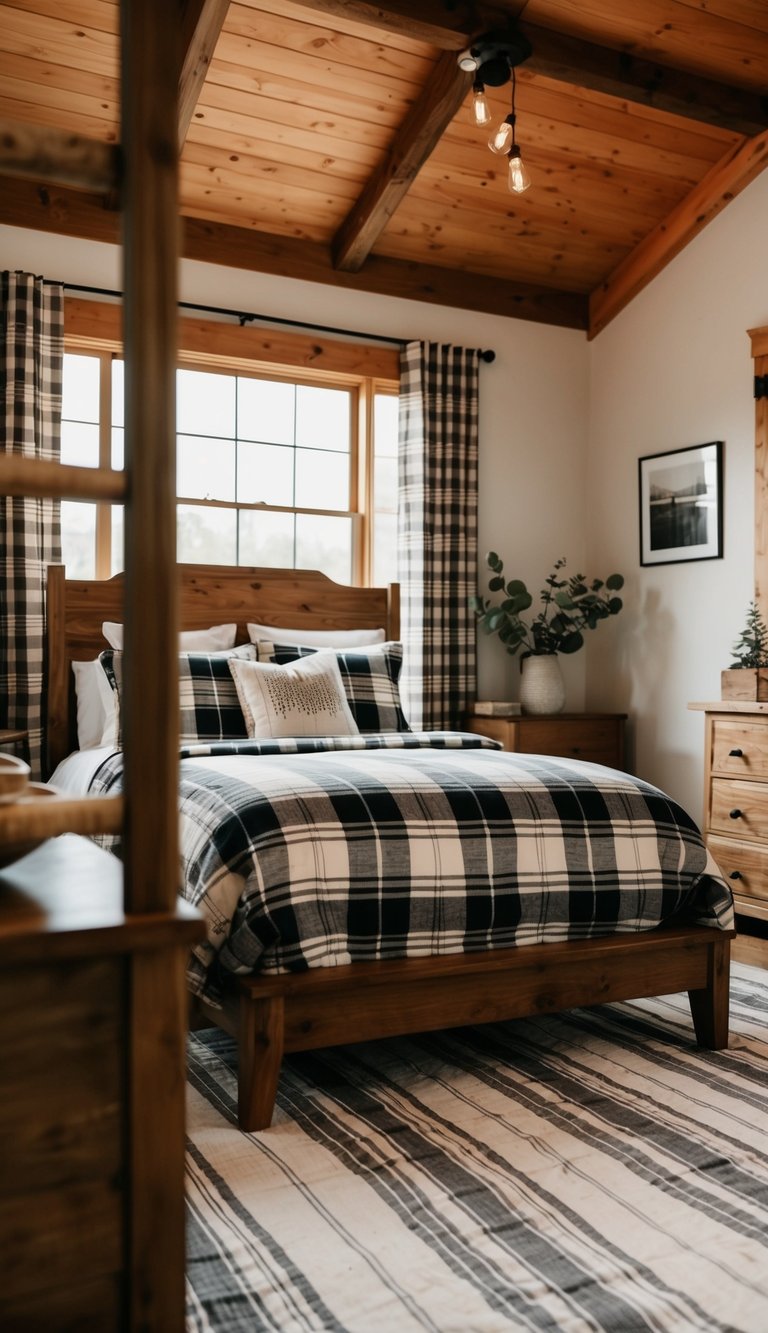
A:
[598,737]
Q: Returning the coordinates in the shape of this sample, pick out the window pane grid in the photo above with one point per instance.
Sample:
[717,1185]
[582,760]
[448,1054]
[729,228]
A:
[258,507]
[265,468]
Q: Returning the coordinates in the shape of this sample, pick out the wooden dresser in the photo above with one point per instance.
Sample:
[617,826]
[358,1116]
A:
[736,799]
[598,737]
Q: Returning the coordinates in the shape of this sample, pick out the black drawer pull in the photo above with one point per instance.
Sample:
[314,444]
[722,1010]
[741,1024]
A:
[576,749]
[735,874]
[735,814]
[736,754]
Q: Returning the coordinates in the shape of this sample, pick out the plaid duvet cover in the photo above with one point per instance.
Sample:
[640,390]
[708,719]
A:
[325,852]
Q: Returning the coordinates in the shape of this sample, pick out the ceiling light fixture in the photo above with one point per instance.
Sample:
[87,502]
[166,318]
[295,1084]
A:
[481,112]
[493,60]
[468,61]
[518,178]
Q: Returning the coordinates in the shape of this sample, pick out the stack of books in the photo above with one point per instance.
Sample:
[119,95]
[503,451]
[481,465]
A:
[496,708]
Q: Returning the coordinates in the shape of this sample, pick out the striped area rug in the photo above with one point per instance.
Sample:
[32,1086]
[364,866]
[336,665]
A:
[581,1172]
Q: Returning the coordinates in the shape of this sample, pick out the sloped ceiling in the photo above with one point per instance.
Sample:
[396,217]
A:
[334,141]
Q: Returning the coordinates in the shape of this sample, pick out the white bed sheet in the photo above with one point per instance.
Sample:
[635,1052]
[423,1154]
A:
[73,775]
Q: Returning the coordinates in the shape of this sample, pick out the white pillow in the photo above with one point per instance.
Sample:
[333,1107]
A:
[304,698]
[96,709]
[318,638]
[210,640]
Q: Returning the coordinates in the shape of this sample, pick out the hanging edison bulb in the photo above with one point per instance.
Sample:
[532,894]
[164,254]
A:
[517,178]
[481,112]
[502,137]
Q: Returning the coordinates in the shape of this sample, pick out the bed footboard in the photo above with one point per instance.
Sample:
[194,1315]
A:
[270,1015]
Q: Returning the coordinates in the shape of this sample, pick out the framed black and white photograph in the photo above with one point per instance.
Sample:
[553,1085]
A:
[681,505]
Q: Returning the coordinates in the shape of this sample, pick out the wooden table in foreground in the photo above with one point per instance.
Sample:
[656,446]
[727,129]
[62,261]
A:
[10,736]
[73,1030]
[598,737]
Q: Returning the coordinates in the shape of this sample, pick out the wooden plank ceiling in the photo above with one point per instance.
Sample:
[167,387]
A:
[334,141]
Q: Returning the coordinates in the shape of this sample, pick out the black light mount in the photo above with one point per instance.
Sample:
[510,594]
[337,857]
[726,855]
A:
[494,55]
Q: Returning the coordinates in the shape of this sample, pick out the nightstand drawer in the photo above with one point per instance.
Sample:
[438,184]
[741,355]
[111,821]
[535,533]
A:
[744,865]
[598,737]
[740,748]
[597,741]
[739,809]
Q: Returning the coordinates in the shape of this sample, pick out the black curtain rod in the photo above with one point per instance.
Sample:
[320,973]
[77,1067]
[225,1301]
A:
[245,318]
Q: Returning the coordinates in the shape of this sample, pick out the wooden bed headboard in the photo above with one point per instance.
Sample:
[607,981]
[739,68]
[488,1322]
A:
[208,595]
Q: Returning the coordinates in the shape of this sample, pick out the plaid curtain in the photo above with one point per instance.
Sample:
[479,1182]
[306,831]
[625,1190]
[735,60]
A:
[438,531]
[31,351]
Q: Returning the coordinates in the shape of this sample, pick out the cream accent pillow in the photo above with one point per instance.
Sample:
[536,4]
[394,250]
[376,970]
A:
[212,640]
[304,698]
[318,638]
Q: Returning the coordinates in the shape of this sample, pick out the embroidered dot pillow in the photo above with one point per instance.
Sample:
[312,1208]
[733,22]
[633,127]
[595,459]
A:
[209,707]
[304,698]
[370,677]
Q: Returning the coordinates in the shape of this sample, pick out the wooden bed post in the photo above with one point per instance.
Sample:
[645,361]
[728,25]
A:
[261,1037]
[150,62]
[709,1006]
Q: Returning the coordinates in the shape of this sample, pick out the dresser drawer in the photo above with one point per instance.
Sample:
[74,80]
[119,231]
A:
[740,747]
[739,809]
[744,865]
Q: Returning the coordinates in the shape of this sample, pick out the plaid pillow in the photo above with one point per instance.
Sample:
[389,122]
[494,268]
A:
[209,708]
[370,677]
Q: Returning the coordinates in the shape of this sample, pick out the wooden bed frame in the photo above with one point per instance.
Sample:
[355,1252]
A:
[272,1015]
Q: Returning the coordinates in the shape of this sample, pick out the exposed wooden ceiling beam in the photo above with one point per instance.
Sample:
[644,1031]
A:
[571,60]
[726,179]
[446,25]
[567,59]
[40,152]
[201,23]
[23,204]
[413,143]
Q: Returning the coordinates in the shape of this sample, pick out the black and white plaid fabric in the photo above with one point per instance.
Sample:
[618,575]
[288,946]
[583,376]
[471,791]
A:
[370,677]
[387,740]
[438,530]
[209,709]
[31,352]
[323,859]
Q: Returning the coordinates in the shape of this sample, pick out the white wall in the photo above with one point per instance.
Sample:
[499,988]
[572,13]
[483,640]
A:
[674,369]
[533,403]
[563,424]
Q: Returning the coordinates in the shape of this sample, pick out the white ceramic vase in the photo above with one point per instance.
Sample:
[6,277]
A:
[542,689]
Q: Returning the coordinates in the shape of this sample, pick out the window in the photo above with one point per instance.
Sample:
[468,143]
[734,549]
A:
[272,469]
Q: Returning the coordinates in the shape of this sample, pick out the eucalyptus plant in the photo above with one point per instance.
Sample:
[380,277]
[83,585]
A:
[570,605]
[751,648]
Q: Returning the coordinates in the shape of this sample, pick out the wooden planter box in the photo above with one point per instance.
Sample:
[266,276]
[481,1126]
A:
[747,684]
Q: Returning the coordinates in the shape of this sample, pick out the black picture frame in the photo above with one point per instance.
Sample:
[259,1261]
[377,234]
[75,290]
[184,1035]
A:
[681,505]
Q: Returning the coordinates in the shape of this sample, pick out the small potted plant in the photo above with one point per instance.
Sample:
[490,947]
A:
[569,606]
[747,676]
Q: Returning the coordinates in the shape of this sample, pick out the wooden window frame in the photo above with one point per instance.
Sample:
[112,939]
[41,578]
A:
[94,328]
